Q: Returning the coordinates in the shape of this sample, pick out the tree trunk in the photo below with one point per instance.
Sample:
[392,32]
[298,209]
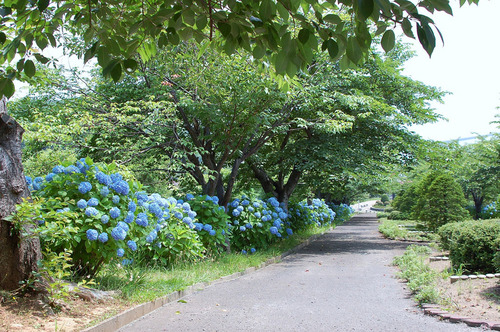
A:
[18,253]
[478,204]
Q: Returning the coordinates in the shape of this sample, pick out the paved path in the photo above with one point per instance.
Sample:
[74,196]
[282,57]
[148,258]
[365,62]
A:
[341,282]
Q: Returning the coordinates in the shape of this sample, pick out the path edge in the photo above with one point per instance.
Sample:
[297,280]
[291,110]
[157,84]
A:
[128,316]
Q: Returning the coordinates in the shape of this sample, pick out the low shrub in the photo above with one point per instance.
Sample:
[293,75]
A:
[397,215]
[92,211]
[472,244]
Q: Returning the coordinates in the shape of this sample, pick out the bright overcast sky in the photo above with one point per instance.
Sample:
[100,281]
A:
[468,66]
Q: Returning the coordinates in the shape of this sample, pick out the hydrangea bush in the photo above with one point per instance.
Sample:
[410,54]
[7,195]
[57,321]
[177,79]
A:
[93,211]
[213,222]
[317,213]
[343,212]
[257,223]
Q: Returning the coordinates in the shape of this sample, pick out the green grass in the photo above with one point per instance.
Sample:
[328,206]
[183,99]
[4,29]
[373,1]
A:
[421,279]
[404,230]
[140,284]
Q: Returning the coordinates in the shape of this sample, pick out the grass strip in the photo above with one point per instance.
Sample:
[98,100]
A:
[421,278]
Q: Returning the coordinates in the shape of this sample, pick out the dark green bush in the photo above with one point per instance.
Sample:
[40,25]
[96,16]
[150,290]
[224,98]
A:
[398,215]
[472,244]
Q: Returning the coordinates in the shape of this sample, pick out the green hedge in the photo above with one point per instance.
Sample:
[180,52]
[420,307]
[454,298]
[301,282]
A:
[472,244]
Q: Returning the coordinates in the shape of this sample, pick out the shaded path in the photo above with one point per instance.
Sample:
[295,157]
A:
[341,282]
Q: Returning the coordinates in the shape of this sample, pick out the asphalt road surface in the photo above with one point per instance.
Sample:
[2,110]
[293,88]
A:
[343,281]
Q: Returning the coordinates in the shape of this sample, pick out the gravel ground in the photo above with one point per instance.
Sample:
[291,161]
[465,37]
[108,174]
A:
[341,282]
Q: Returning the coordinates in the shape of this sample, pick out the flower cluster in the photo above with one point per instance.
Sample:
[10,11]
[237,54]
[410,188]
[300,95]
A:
[257,223]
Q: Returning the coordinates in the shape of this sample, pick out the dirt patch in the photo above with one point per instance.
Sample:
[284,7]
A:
[473,298]
[27,314]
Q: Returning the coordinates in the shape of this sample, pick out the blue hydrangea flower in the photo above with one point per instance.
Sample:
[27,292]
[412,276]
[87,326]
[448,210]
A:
[235,203]
[29,181]
[103,237]
[114,212]
[132,206]
[244,252]
[123,225]
[142,219]
[103,178]
[277,223]
[71,169]
[120,252]
[240,208]
[58,169]
[251,209]
[249,226]
[118,233]
[93,202]
[236,213]
[187,220]
[189,197]
[252,250]
[115,199]
[198,226]
[92,234]
[104,218]
[215,199]
[116,177]
[274,202]
[178,215]
[186,206]
[121,187]
[192,214]
[243,228]
[132,245]
[104,191]
[84,187]
[257,215]
[289,231]
[155,209]
[245,202]
[207,227]
[211,233]
[236,222]
[130,217]
[259,224]
[81,204]
[49,177]
[282,215]
[273,230]
[256,204]
[91,212]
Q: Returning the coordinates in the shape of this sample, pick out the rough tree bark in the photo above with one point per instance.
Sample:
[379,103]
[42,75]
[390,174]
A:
[18,254]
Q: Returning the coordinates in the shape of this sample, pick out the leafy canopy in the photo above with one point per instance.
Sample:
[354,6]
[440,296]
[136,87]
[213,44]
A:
[285,33]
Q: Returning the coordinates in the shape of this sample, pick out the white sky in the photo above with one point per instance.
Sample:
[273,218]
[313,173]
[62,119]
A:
[468,65]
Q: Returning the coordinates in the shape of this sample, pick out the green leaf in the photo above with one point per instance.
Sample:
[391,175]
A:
[42,42]
[332,18]
[40,58]
[20,65]
[7,87]
[388,40]
[130,65]
[365,9]
[29,68]
[353,50]
[3,38]
[281,62]
[258,51]
[43,4]
[201,22]
[304,35]
[332,47]
[116,72]
[406,25]
[224,28]
[426,38]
